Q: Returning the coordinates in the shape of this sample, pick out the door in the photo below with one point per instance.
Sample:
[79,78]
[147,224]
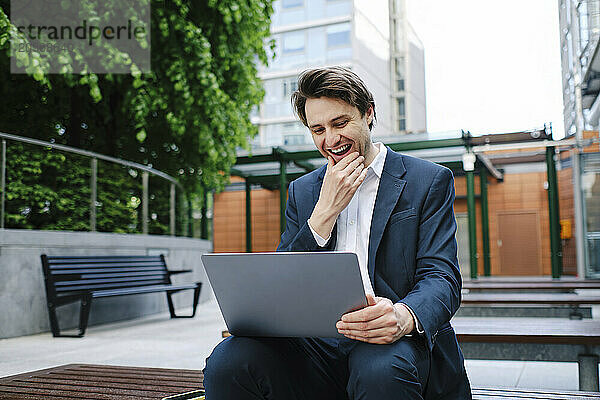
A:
[519,243]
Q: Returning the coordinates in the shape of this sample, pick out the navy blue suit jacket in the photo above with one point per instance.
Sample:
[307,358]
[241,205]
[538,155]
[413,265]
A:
[412,253]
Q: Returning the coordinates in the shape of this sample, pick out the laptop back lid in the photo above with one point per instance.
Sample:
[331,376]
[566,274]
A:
[285,294]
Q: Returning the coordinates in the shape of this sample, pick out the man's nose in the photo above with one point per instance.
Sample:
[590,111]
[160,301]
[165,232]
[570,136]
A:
[331,138]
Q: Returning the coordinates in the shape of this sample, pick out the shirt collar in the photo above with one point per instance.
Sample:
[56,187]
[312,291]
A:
[377,164]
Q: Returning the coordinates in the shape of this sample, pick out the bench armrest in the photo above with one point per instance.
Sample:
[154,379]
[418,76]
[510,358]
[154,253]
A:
[179,271]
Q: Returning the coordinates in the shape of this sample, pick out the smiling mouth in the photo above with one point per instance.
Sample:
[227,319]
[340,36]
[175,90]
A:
[340,151]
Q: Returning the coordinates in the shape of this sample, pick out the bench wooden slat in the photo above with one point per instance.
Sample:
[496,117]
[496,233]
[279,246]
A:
[529,298]
[527,330]
[101,271]
[506,394]
[84,281]
[114,264]
[149,385]
[80,259]
[144,289]
[107,286]
[560,285]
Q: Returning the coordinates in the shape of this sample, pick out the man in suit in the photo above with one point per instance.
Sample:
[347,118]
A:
[396,213]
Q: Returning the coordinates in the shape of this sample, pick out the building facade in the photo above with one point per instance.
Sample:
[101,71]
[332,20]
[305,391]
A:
[579,39]
[580,47]
[373,38]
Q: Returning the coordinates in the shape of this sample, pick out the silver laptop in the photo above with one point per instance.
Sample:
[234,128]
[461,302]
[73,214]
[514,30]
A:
[285,294]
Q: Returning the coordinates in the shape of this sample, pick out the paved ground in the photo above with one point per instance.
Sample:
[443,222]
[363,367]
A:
[159,341]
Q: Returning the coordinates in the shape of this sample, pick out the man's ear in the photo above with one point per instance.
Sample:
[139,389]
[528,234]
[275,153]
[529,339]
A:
[369,115]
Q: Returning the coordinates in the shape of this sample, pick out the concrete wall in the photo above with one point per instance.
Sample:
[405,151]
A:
[23,309]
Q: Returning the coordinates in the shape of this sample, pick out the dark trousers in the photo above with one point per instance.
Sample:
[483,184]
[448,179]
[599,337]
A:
[292,368]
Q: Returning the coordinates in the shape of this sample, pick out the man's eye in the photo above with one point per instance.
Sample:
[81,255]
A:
[318,131]
[341,124]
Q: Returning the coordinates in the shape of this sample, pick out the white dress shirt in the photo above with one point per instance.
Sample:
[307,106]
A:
[354,222]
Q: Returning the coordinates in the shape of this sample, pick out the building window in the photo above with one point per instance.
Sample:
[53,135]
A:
[293,42]
[401,107]
[289,87]
[582,10]
[402,124]
[338,35]
[291,3]
[400,74]
[289,140]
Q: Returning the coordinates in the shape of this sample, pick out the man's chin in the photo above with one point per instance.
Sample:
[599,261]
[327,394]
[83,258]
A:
[338,158]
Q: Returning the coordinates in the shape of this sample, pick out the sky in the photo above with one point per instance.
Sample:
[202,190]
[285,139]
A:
[490,66]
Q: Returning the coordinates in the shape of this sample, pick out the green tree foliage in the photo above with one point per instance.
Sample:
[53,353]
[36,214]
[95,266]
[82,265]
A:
[186,117]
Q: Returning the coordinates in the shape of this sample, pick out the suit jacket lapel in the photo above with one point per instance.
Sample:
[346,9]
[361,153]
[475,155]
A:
[390,188]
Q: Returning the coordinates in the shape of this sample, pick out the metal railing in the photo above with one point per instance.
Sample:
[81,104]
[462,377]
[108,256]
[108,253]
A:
[94,157]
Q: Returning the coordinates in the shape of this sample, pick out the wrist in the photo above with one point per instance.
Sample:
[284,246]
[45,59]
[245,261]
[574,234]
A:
[322,222]
[406,319]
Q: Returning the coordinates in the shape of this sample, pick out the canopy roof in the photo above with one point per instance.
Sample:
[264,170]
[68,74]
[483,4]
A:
[264,166]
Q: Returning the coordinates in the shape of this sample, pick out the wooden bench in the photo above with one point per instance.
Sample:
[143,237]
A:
[84,278]
[494,299]
[82,381]
[530,285]
[534,339]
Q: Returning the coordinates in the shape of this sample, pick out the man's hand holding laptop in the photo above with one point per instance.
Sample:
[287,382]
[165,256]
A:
[380,322]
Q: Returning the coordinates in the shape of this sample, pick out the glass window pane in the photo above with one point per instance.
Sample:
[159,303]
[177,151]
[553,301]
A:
[583,25]
[590,182]
[402,124]
[338,35]
[400,85]
[401,108]
[293,42]
[292,3]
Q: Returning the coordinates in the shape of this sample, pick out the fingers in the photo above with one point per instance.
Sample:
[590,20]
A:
[384,321]
[354,164]
[373,333]
[343,163]
[354,175]
[370,300]
[374,340]
[369,313]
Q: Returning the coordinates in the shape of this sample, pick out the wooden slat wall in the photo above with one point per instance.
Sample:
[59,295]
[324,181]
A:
[230,220]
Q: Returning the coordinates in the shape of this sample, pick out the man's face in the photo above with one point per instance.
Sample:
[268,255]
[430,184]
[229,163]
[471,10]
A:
[337,127]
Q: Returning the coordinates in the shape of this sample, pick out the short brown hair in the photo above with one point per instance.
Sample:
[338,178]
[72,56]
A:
[334,82]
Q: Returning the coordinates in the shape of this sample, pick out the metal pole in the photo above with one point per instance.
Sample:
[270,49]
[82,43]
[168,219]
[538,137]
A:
[472,223]
[579,224]
[94,193]
[580,239]
[172,210]
[554,214]
[248,216]
[204,211]
[145,177]
[282,194]
[485,225]
[190,217]
[3,183]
